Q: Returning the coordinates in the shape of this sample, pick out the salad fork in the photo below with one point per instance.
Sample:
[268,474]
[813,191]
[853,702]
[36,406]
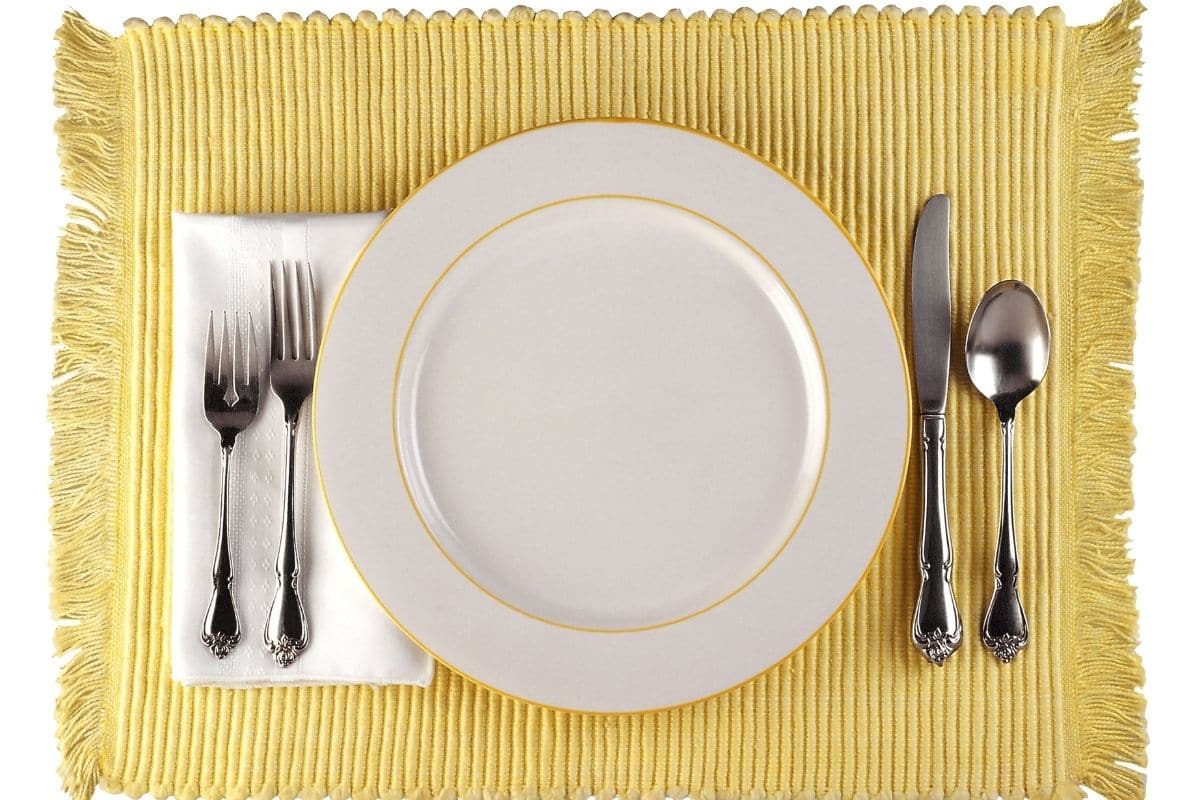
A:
[230,405]
[293,364]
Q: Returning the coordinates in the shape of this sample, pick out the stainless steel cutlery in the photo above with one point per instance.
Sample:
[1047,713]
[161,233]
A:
[1007,352]
[1008,349]
[231,375]
[293,365]
[937,625]
[232,371]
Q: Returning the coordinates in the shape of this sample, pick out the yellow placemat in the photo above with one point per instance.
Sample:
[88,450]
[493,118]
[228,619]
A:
[1013,115]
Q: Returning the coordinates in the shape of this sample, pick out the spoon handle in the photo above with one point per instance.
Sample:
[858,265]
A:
[937,626]
[1005,630]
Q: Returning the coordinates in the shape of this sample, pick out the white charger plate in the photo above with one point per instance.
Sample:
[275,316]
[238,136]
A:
[611,416]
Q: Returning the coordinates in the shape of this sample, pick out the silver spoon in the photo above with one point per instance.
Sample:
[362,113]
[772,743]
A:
[1008,348]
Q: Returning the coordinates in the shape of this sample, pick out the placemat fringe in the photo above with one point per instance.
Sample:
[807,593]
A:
[524,15]
[88,340]
[1112,734]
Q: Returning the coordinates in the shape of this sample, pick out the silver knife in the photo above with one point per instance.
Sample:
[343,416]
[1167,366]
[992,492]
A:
[937,626]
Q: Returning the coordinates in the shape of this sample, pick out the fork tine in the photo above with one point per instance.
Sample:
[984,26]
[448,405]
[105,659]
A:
[294,309]
[237,361]
[285,308]
[223,358]
[278,317]
[309,307]
[210,353]
[253,364]
[272,317]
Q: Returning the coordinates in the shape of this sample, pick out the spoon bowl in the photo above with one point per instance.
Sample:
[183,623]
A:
[1008,345]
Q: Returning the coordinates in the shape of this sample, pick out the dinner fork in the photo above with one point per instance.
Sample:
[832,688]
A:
[230,405]
[293,363]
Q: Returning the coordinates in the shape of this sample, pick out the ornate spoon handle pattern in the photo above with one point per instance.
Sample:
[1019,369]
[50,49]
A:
[1005,629]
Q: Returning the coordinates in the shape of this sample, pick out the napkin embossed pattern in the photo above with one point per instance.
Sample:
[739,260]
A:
[1014,114]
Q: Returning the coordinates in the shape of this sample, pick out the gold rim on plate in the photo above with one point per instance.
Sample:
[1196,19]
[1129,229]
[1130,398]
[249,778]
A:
[905,371]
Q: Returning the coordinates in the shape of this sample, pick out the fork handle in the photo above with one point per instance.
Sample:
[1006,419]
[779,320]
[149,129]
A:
[221,629]
[286,633]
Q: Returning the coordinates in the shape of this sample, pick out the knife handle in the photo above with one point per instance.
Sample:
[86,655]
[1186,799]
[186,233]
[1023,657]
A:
[937,626]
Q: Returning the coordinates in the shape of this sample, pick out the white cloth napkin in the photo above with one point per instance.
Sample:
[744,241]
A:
[220,264]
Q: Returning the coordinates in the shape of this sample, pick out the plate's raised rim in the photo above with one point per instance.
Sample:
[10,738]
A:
[905,370]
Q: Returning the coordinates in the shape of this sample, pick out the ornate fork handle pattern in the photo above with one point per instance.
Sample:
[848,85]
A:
[222,631]
[286,633]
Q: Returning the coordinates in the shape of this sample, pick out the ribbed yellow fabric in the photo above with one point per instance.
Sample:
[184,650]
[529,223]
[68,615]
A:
[1012,114]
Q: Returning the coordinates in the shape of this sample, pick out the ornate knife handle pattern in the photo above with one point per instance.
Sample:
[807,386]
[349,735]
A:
[937,625]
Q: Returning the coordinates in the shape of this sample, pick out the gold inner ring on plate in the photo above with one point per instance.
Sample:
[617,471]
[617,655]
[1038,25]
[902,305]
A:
[471,578]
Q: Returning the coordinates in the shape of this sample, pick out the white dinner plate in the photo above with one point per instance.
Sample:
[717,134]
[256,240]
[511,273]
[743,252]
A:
[611,416]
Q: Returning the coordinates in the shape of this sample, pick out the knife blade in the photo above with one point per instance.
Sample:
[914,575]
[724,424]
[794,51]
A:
[937,624]
[931,304]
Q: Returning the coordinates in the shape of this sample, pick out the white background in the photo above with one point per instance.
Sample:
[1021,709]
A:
[1166,477]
